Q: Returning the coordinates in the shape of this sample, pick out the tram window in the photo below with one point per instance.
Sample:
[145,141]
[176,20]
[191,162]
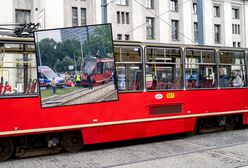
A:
[17,70]
[163,68]
[127,54]
[200,69]
[99,68]
[129,68]
[232,71]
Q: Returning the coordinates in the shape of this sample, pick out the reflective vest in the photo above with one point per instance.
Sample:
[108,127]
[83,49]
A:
[78,78]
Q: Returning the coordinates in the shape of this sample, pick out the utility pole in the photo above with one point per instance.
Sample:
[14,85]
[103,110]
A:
[104,6]
[199,12]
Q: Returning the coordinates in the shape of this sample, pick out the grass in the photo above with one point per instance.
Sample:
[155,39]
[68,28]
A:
[59,91]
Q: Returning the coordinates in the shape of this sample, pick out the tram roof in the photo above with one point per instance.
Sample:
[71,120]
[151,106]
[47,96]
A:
[174,45]
[18,40]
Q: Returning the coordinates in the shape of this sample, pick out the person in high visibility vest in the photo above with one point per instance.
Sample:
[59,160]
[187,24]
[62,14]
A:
[78,80]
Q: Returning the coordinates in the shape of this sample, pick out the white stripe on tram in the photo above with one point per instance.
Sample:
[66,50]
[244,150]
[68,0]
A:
[120,122]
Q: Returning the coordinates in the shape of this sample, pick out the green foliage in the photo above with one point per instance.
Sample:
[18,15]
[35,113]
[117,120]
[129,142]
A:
[100,42]
[66,62]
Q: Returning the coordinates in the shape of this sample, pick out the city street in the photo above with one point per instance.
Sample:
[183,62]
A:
[220,149]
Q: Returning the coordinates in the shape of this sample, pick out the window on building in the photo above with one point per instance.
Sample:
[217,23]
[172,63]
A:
[122,2]
[233,28]
[217,34]
[216,11]
[175,29]
[150,4]
[23,16]
[234,44]
[174,5]
[123,17]
[129,68]
[119,36]
[127,37]
[235,13]
[163,68]
[127,17]
[232,69]
[83,16]
[196,31]
[194,7]
[74,16]
[239,44]
[200,68]
[238,29]
[150,28]
[118,15]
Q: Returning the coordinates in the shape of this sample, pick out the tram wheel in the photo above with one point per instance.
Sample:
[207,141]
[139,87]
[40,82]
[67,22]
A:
[72,141]
[6,149]
[230,123]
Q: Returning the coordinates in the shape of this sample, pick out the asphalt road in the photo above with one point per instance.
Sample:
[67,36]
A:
[220,149]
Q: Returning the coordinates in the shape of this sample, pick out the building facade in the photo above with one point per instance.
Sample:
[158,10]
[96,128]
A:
[224,23]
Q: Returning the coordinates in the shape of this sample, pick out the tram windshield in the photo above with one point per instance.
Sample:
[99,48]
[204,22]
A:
[89,65]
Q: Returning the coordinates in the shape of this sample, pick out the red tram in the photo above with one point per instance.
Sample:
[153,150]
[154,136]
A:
[99,69]
[163,89]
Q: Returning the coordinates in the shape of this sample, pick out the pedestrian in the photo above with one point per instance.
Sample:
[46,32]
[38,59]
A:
[54,85]
[89,81]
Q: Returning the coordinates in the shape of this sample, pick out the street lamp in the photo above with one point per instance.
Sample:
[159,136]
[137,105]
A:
[104,6]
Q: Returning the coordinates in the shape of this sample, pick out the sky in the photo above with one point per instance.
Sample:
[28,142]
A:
[54,34]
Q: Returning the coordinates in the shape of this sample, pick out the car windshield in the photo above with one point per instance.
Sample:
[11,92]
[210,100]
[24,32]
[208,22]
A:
[50,74]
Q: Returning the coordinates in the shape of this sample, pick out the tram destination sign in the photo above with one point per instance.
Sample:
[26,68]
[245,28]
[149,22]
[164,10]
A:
[76,65]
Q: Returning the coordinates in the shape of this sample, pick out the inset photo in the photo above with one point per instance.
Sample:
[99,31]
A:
[76,65]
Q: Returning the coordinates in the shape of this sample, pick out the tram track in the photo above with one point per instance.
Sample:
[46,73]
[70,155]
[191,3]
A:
[209,150]
[88,93]
[109,96]
[74,97]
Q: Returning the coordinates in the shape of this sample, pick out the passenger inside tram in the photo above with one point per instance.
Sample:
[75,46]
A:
[236,79]
[223,78]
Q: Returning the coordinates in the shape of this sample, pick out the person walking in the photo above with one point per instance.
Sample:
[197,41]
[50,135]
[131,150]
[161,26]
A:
[54,85]
[89,81]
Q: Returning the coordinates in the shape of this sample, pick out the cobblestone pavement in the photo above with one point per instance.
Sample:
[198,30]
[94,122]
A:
[220,149]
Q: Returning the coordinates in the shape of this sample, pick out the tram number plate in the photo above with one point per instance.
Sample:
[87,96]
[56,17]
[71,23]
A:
[170,95]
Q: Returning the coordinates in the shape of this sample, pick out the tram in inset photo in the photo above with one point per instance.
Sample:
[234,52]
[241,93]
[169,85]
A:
[100,70]
[162,88]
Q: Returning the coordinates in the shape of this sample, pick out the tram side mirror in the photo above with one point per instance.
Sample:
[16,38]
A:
[84,48]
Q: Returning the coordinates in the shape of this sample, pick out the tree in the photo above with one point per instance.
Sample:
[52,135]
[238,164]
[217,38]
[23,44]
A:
[58,66]
[66,62]
[47,51]
[100,42]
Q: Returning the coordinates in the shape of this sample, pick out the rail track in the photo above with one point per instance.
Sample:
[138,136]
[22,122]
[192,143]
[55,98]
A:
[82,96]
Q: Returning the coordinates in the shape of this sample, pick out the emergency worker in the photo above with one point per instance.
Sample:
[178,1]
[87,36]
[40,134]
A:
[78,80]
